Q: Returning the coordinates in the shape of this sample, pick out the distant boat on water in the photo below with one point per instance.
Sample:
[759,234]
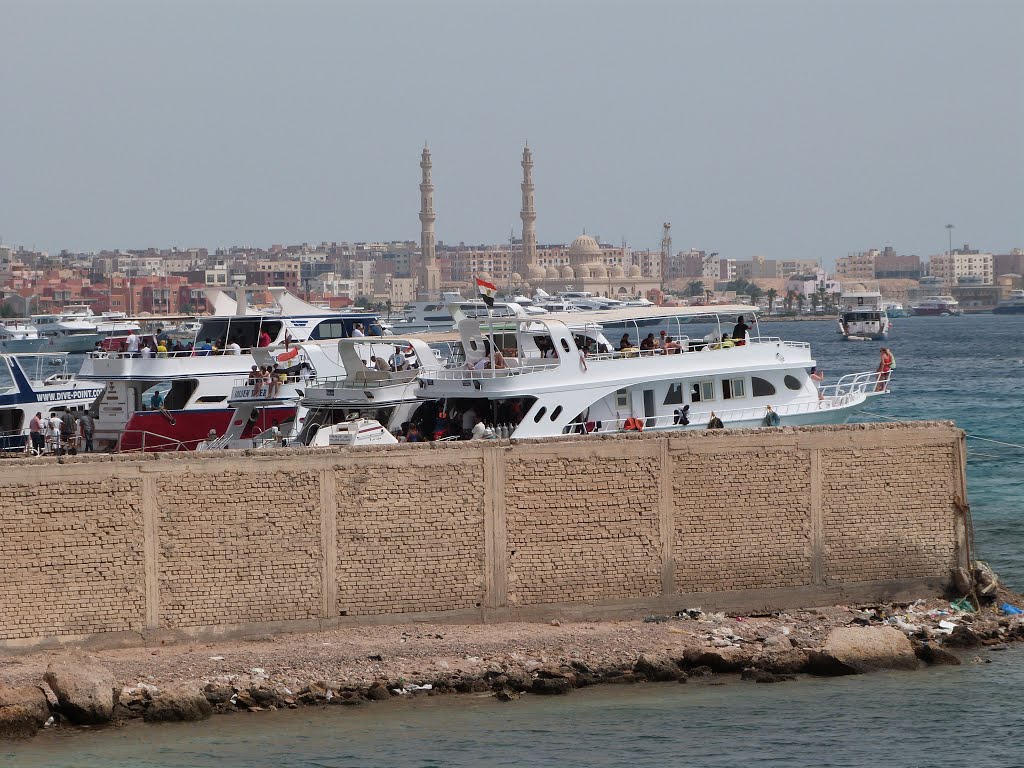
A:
[1012,304]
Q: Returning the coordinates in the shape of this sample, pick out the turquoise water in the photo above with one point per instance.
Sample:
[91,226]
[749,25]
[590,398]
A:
[967,369]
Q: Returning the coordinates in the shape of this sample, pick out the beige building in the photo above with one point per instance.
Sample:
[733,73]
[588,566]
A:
[954,268]
[857,266]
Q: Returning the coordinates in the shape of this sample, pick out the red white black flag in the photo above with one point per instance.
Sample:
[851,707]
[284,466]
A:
[487,291]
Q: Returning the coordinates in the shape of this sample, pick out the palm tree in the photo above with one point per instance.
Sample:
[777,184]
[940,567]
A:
[772,294]
[695,288]
[821,294]
[787,302]
[815,298]
[800,302]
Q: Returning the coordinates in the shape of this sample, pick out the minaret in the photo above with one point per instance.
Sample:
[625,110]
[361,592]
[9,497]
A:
[430,276]
[666,250]
[528,214]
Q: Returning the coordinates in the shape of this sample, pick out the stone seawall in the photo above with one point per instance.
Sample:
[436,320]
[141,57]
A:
[133,549]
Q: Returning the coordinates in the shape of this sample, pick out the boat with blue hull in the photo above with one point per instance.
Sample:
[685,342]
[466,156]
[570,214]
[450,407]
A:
[35,383]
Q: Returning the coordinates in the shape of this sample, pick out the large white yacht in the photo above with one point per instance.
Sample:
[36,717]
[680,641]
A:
[196,384]
[18,336]
[68,333]
[940,306]
[536,381]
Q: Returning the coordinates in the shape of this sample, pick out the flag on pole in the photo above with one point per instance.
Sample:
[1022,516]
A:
[487,291]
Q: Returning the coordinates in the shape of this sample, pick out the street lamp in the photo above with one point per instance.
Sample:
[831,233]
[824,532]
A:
[949,229]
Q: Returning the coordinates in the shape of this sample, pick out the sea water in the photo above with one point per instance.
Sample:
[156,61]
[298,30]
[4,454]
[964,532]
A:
[967,369]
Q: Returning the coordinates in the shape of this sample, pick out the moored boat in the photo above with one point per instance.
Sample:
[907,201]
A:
[862,316]
[1012,304]
[937,306]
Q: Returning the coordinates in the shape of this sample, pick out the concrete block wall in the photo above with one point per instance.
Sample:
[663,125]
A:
[126,549]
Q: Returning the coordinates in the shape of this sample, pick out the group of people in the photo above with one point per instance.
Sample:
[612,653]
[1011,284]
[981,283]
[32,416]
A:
[61,432]
[664,343]
[397,361]
[266,381]
[162,345]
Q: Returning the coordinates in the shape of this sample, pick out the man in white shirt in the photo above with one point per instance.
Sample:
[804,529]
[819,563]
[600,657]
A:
[131,344]
[234,349]
[357,330]
[147,351]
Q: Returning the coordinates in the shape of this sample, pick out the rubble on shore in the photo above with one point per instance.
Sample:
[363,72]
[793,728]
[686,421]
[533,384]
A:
[356,666]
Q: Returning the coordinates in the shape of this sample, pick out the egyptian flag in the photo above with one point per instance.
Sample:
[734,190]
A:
[487,291]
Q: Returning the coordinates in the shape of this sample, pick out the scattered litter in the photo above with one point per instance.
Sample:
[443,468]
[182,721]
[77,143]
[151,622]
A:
[785,630]
[692,613]
[216,658]
[946,627]
[325,643]
[963,605]
[555,623]
[1010,610]
[655,619]
[903,626]
[414,687]
[375,657]
[258,672]
[399,691]
[49,721]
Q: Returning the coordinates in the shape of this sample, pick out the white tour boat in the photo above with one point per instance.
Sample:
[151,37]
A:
[530,393]
[862,316]
[937,306]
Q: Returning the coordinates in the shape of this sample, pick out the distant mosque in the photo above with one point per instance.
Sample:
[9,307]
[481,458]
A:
[584,266]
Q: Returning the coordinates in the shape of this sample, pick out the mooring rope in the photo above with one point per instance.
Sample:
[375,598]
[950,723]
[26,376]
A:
[970,436]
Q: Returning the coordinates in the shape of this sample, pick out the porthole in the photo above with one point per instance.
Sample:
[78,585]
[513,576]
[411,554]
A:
[539,415]
[556,413]
[565,345]
[792,382]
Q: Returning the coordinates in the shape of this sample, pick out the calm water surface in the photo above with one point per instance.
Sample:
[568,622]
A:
[968,369]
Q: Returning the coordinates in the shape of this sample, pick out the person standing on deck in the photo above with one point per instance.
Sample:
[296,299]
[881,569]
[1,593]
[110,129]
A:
[739,332]
[88,428]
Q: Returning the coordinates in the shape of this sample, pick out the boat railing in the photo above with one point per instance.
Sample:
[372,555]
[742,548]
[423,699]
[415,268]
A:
[513,369]
[155,441]
[869,382]
[727,415]
[368,379]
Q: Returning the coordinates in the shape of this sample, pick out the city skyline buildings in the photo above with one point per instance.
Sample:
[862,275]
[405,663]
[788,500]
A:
[756,129]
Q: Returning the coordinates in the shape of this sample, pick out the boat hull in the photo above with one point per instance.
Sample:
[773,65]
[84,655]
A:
[1017,309]
[183,430]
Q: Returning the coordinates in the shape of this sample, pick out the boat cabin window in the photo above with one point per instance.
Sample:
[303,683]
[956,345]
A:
[243,330]
[674,396]
[761,387]
[556,413]
[621,399]
[565,345]
[212,399]
[11,421]
[733,388]
[792,382]
[180,392]
[539,415]
[702,391]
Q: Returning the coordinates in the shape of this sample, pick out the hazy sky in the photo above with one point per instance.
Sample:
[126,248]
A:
[806,129]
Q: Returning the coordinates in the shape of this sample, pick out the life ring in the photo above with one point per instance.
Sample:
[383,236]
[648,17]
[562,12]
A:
[287,355]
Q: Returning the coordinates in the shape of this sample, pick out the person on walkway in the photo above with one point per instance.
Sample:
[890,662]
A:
[53,425]
[35,432]
[88,429]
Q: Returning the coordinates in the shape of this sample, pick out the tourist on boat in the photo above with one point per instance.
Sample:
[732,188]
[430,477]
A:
[357,330]
[379,363]
[739,331]
[146,352]
[818,377]
[131,343]
[663,339]
[156,402]
[714,422]
[412,434]
[306,373]
[161,348]
[469,420]
[35,433]
[771,418]
[671,346]
[254,377]
[234,348]
[163,336]
[725,343]
[209,442]
[886,362]
[625,343]
[264,340]
[648,343]
[205,349]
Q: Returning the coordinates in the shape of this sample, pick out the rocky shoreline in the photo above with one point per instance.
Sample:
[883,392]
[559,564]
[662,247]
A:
[361,665]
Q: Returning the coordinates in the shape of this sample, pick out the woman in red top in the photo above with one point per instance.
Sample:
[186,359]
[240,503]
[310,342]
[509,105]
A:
[886,362]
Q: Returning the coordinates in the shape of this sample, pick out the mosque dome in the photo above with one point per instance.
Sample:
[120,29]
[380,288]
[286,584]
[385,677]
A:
[584,249]
[617,271]
[583,272]
[516,277]
[552,273]
[567,273]
[535,272]
[598,270]
[634,270]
